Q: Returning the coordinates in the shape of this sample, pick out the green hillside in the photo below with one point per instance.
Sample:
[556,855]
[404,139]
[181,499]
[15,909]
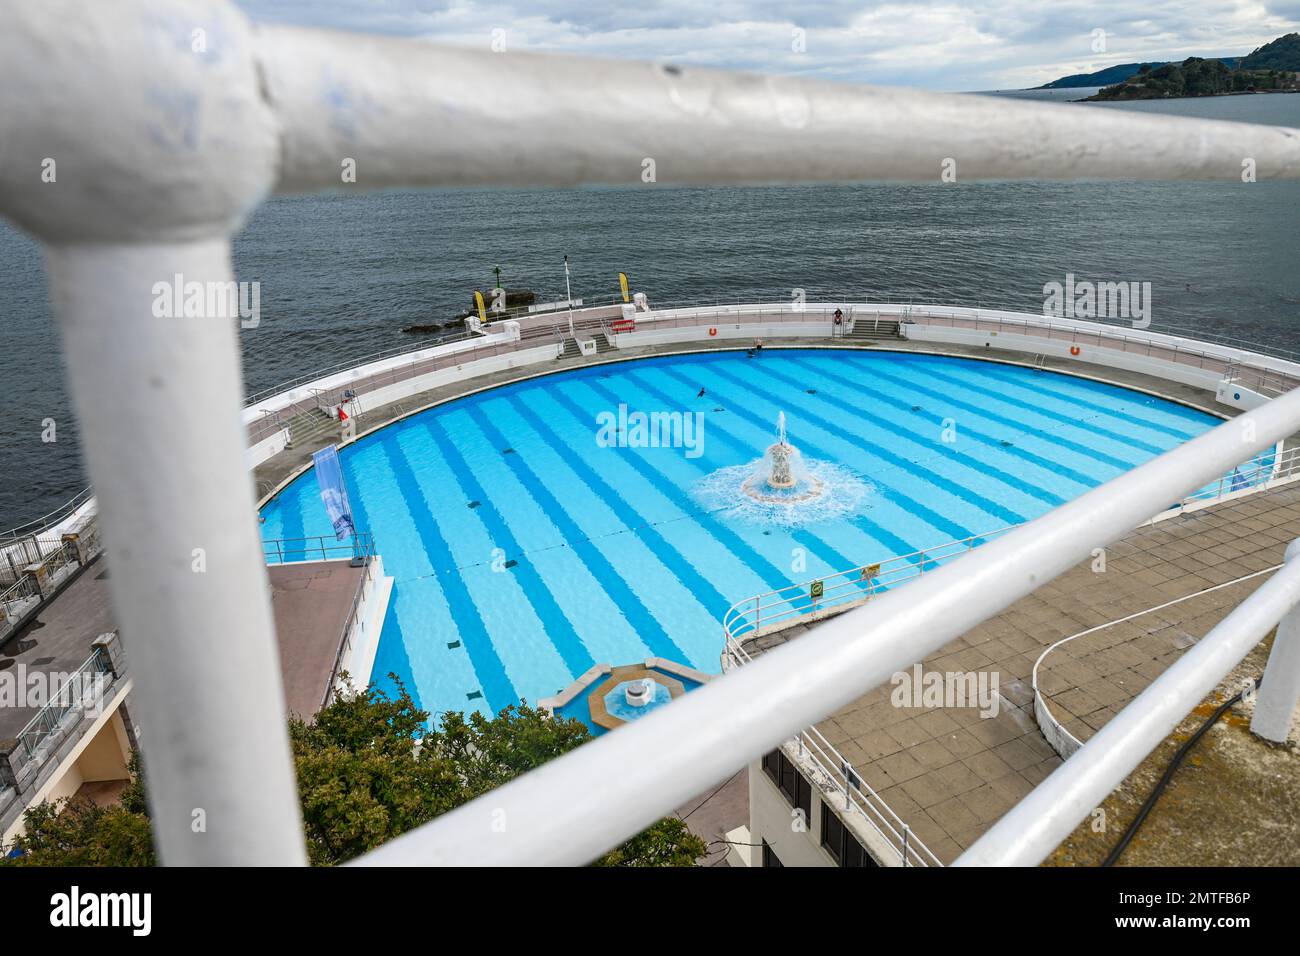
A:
[1282,54]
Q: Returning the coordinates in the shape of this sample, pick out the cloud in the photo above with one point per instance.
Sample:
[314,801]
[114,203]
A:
[933,44]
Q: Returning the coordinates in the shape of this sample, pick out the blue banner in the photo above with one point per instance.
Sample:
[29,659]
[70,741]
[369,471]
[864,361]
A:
[333,493]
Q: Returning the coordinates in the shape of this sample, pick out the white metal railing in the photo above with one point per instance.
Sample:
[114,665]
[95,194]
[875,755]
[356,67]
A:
[1058,735]
[72,696]
[39,526]
[320,547]
[1036,825]
[836,779]
[207,668]
[774,610]
[22,596]
[1156,345]
[836,591]
[1260,474]
[1242,361]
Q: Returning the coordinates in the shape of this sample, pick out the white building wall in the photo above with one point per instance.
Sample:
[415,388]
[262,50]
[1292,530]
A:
[771,818]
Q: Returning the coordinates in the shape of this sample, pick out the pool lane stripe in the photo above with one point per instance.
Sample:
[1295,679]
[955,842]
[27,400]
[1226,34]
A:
[777,578]
[928,515]
[639,617]
[676,563]
[488,668]
[986,469]
[559,629]
[1022,427]
[361,521]
[813,543]
[962,382]
[1176,418]
[291,518]
[981,437]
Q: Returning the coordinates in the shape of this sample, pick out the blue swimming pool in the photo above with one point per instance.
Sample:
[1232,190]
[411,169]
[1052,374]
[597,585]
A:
[527,546]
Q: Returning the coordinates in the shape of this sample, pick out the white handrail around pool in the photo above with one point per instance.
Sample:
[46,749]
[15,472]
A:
[835,778]
[752,617]
[1035,826]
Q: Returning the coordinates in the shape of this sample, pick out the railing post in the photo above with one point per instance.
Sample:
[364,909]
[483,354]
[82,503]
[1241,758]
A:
[157,399]
[1278,694]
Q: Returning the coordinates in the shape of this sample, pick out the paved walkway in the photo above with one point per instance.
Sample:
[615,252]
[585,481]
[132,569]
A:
[951,773]
[310,601]
[59,639]
[1088,680]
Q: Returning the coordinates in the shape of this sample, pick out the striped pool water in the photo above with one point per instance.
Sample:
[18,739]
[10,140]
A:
[524,550]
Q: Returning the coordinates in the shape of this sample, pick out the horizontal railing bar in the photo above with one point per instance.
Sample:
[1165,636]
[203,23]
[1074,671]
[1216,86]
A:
[576,807]
[863,797]
[748,616]
[1049,813]
[444,107]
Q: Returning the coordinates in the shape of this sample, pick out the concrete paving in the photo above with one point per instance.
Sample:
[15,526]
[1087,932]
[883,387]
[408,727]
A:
[950,772]
[59,639]
[714,813]
[311,602]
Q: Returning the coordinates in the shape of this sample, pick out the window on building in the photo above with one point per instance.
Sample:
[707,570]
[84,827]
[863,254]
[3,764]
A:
[770,858]
[789,781]
[840,843]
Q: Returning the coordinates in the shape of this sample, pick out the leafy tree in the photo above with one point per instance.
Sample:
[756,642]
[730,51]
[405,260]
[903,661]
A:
[1195,77]
[77,832]
[368,770]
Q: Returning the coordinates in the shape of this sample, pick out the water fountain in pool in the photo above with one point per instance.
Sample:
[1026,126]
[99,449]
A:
[781,477]
[783,487]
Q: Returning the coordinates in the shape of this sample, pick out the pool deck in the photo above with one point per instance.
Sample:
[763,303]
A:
[60,638]
[950,773]
[310,601]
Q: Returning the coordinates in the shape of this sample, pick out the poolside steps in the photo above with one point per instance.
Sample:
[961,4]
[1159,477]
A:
[868,330]
[309,425]
[573,350]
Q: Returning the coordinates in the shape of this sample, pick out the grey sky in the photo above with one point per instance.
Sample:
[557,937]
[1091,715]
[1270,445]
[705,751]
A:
[927,43]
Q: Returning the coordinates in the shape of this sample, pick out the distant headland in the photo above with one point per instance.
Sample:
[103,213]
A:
[1273,68]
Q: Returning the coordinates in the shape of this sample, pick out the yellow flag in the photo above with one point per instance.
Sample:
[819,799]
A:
[622,284]
[482,310]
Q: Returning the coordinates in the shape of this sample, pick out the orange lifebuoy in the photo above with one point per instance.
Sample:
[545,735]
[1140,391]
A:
[1075,350]
[713,331]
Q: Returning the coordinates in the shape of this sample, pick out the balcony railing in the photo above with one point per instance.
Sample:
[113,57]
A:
[837,781]
[79,694]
